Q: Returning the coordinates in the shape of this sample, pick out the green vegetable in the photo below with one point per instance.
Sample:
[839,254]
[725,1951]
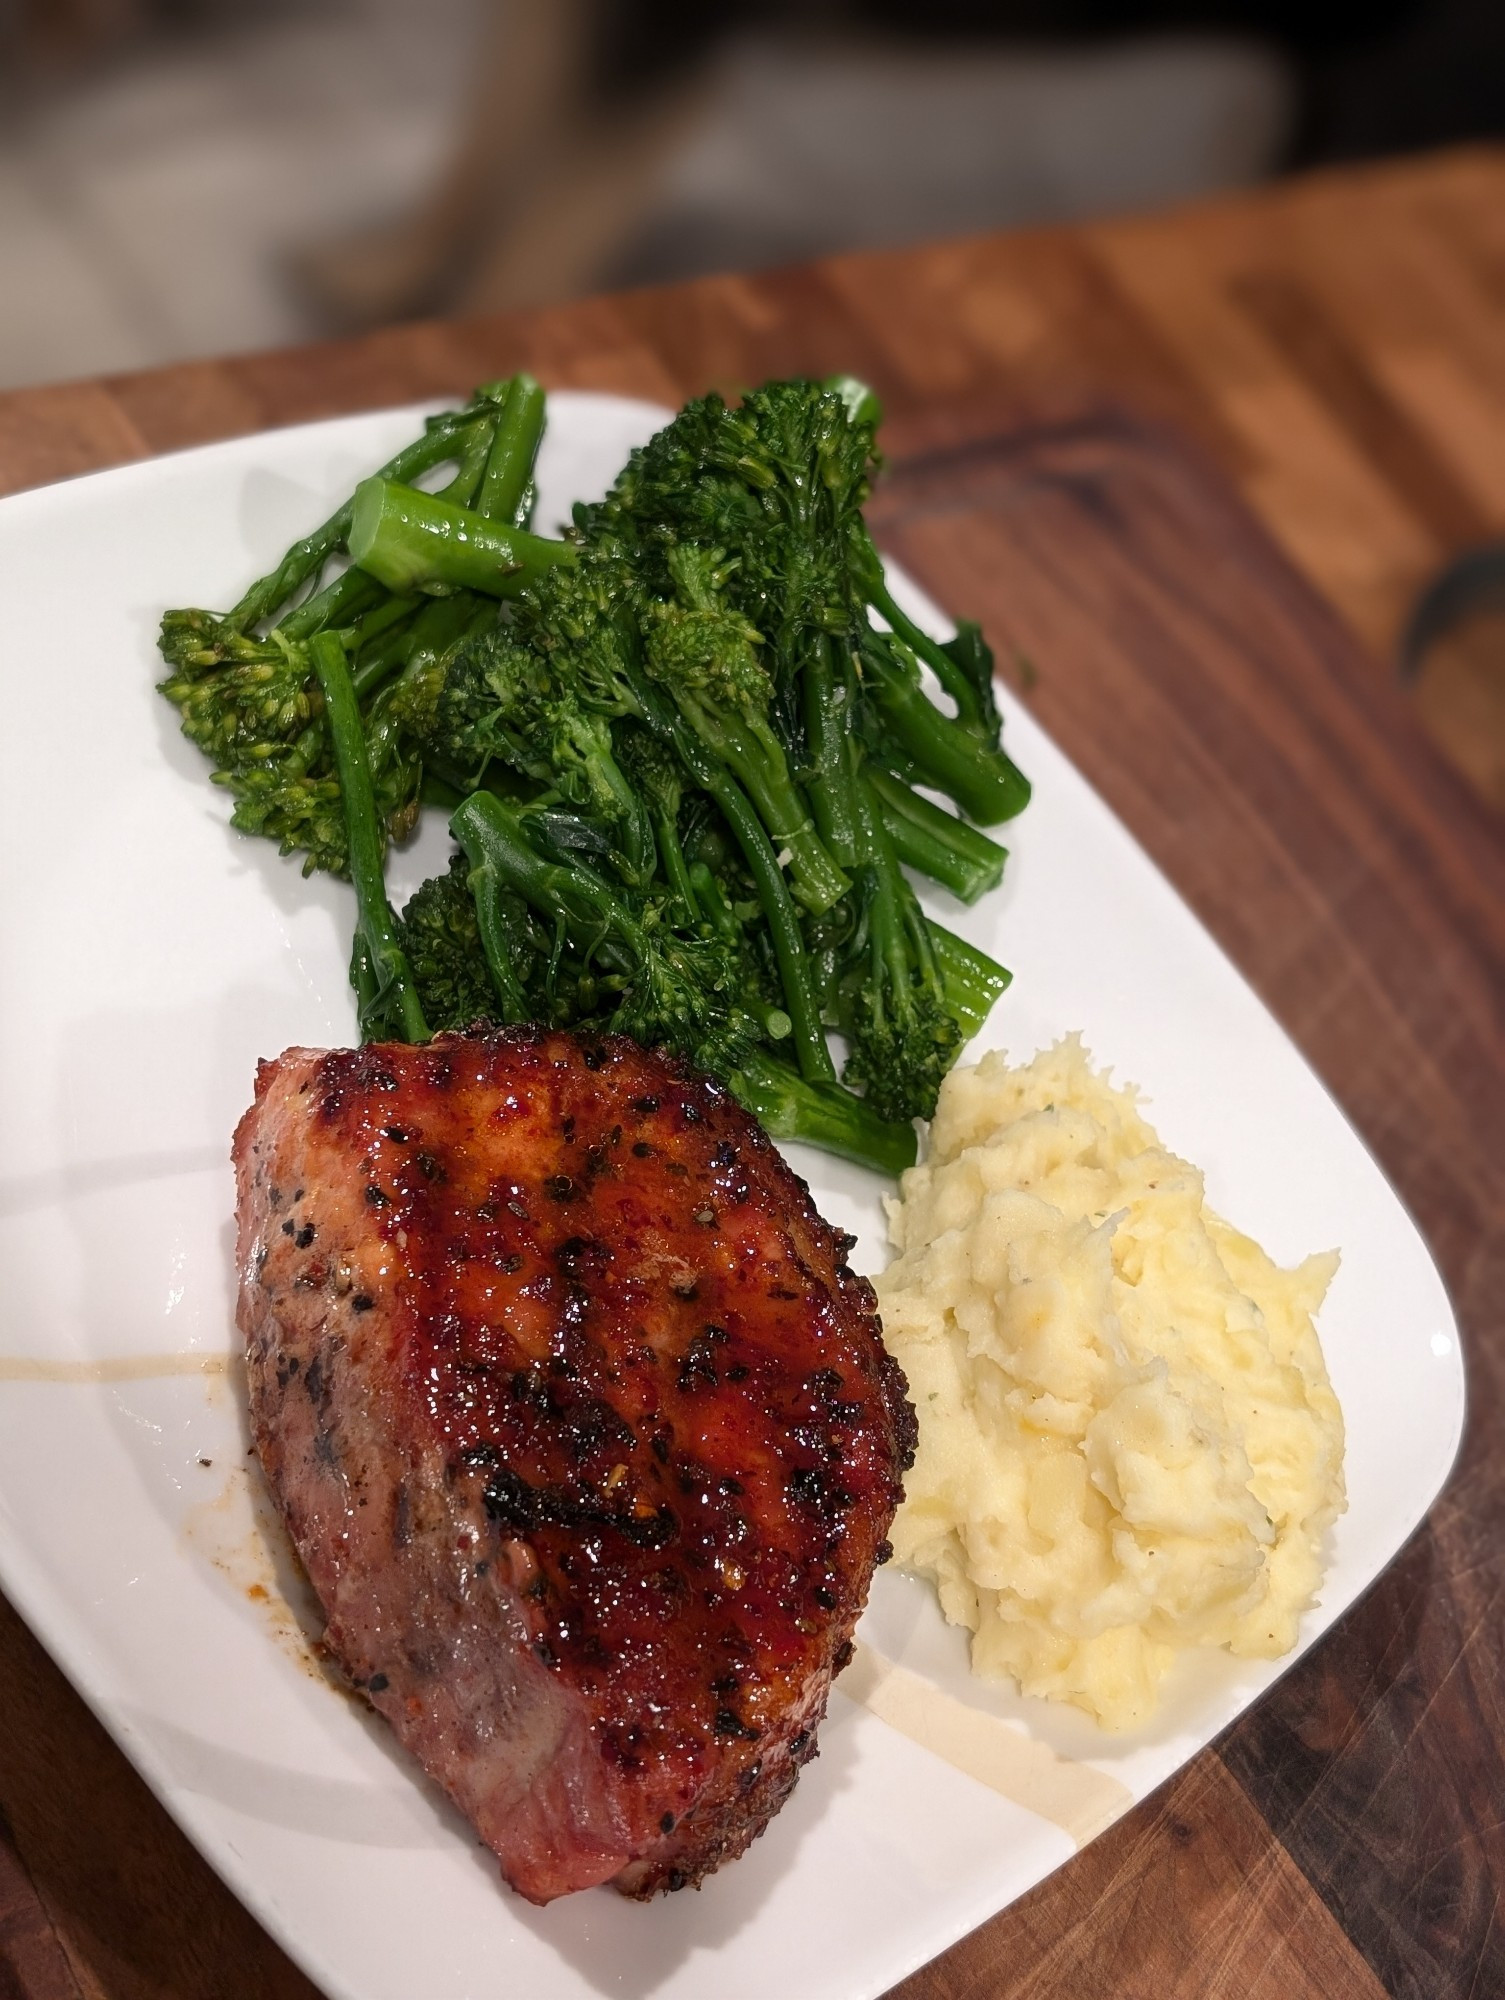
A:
[250,698]
[383,980]
[411,540]
[458,434]
[502,703]
[678,755]
[800,998]
[787,1107]
[903,1035]
[671,985]
[985,783]
[441,937]
[936,843]
[704,654]
[973,982]
[506,492]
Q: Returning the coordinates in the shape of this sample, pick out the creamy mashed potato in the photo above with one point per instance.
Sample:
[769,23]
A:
[1128,1441]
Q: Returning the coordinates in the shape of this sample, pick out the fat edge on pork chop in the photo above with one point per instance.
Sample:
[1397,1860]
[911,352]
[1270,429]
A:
[581,1426]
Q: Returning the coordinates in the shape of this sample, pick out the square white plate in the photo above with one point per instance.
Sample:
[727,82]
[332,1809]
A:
[151,957]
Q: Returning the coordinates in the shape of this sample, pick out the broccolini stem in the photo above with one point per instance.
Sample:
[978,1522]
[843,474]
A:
[971,981]
[712,904]
[506,491]
[338,604]
[986,784]
[438,791]
[431,626]
[492,835]
[387,997]
[756,759]
[636,850]
[389,612]
[484,850]
[671,854]
[827,697]
[824,1115]
[709,905]
[376,660]
[936,843]
[416,541]
[306,558]
[795,974]
[947,672]
[890,982]
[471,470]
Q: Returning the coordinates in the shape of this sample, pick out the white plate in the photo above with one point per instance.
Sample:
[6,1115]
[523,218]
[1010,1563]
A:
[151,957]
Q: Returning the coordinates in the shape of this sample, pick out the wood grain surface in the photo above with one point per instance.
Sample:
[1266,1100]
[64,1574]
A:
[1074,414]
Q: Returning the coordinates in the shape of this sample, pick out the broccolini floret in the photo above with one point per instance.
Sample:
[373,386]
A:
[442,938]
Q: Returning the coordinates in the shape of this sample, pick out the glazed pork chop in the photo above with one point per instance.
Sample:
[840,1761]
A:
[581,1426]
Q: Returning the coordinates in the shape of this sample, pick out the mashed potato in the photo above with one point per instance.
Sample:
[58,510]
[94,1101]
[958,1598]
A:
[1128,1441]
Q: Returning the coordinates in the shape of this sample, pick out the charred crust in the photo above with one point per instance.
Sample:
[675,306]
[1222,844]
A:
[716,1832]
[511,1502]
[700,1367]
[811,1486]
[895,1386]
[583,1258]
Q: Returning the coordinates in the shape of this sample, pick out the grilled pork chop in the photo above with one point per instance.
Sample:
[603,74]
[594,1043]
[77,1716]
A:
[581,1426]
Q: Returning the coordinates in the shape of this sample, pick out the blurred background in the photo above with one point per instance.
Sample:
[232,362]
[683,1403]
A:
[185,177]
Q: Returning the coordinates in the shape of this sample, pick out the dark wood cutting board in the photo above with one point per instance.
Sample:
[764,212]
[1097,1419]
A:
[1345,1839]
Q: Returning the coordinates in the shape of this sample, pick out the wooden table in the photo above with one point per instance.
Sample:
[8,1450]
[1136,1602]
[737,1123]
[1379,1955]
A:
[1336,349]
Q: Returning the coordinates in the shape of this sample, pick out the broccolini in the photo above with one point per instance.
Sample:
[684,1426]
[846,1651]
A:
[679,748]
